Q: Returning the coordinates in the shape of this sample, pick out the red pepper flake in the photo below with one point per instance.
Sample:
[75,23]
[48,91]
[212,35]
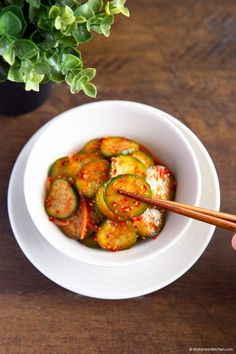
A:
[71,181]
[163,172]
[125,209]
[114,249]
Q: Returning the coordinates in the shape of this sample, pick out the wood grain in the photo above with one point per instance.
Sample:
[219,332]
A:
[178,56]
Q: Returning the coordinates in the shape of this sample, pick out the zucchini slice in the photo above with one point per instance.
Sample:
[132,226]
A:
[59,168]
[93,145]
[150,223]
[121,165]
[161,181]
[115,145]
[76,227]
[123,206]
[149,153]
[102,206]
[61,201]
[90,241]
[66,167]
[115,236]
[82,158]
[142,156]
[91,176]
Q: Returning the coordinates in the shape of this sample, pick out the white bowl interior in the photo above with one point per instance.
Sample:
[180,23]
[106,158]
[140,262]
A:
[69,131]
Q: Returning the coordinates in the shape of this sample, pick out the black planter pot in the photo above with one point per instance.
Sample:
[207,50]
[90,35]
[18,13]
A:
[14,100]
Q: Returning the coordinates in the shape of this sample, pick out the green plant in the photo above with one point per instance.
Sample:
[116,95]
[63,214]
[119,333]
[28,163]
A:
[39,40]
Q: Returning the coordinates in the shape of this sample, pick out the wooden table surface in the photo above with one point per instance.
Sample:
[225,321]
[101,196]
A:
[179,56]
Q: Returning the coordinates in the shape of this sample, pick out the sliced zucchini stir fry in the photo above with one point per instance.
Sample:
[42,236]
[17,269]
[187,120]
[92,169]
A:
[143,157]
[91,176]
[115,145]
[102,205]
[121,205]
[61,200]
[82,196]
[123,165]
[115,236]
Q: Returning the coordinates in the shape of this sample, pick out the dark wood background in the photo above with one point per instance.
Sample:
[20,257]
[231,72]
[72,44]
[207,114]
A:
[179,56]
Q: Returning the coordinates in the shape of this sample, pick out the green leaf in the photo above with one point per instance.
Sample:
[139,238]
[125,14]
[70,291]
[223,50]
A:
[115,7]
[106,25]
[73,51]
[41,68]
[89,73]
[75,85]
[69,78]
[80,19]
[81,34]
[107,8]
[108,20]
[5,42]
[90,89]
[15,74]
[31,78]
[9,55]
[32,85]
[54,12]
[17,11]
[7,49]
[19,3]
[25,49]
[84,10]
[67,16]
[96,5]
[81,82]
[100,24]
[67,41]
[94,23]
[26,67]
[55,68]
[70,62]
[34,3]
[9,23]
[58,23]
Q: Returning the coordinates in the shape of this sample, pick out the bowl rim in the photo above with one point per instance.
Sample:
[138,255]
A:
[115,262]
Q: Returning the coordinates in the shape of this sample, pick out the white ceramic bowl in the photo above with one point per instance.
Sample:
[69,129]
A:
[71,130]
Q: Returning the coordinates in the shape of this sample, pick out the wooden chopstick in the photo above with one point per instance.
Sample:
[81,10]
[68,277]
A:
[223,220]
